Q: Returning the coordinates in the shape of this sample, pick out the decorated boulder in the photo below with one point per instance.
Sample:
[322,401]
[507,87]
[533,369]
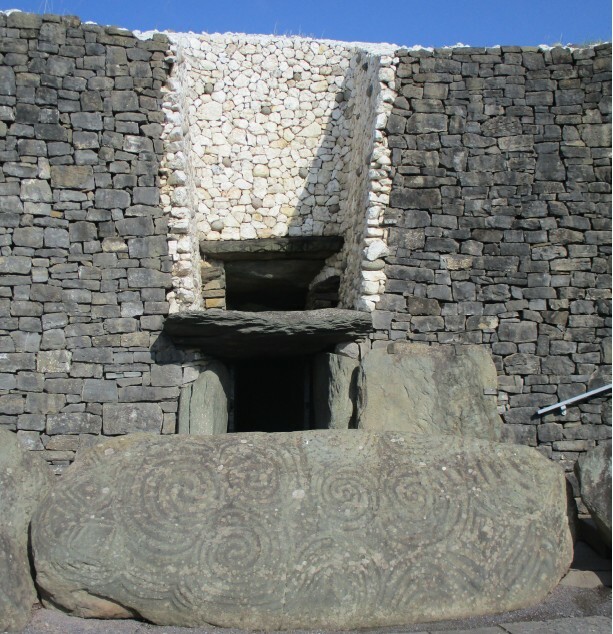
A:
[320,529]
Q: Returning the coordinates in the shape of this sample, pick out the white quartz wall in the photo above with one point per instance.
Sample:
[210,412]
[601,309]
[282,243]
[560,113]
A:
[278,137]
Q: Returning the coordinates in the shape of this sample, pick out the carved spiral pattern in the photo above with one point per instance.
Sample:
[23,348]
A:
[240,562]
[300,532]
[336,574]
[427,505]
[348,496]
[254,474]
[162,508]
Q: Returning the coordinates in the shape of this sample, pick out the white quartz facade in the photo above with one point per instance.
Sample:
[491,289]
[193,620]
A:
[273,137]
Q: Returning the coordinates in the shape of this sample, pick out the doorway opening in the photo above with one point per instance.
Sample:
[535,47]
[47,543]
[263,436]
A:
[272,395]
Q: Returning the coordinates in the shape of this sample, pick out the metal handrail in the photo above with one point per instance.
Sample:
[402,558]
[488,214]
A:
[562,404]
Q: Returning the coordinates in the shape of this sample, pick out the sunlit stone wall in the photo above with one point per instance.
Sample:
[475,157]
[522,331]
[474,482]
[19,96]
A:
[274,137]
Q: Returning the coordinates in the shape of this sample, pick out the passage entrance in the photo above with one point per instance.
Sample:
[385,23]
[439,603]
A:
[272,395]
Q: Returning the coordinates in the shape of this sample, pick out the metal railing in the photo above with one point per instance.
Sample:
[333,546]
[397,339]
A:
[562,404]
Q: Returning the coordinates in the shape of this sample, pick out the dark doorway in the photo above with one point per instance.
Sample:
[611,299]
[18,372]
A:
[272,395]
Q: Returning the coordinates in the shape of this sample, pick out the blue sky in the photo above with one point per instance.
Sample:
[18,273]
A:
[404,22]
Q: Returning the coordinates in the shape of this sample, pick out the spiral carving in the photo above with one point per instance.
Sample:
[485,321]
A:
[241,561]
[173,496]
[306,530]
[348,495]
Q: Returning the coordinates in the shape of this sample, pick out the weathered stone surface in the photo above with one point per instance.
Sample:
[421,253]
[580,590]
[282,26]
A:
[594,473]
[124,418]
[321,529]
[334,390]
[237,334]
[203,406]
[72,176]
[430,389]
[24,480]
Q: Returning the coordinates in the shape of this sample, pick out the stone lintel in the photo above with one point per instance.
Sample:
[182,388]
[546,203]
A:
[318,248]
[233,334]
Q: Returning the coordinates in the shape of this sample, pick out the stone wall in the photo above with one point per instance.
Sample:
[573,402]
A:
[499,225]
[471,186]
[84,265]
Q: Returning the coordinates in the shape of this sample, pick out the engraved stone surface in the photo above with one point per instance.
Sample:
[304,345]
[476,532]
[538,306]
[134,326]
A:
[24,479]
[320,529]
[430,389]
[594,472]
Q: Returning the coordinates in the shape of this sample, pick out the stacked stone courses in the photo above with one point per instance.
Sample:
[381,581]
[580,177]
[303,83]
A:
[499,225]
[83,254]
[473,192]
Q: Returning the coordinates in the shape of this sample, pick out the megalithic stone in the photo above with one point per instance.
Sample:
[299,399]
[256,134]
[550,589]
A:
[319,529]
[24,480]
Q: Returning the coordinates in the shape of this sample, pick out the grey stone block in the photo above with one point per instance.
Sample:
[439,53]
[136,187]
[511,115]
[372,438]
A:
[99,391]
[55,237]
[517,332]
[127,418]
[15,265]
[124,101]
[86,121]
[73,423]
[112,199]
[422,123]
[79,177]
[139,278]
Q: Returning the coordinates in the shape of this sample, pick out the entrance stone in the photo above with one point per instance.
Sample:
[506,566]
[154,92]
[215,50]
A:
[317,529]
[430,389]
[24,480]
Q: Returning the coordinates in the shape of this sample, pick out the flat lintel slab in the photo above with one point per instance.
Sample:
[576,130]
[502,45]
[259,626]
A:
[311,248]
[234,334]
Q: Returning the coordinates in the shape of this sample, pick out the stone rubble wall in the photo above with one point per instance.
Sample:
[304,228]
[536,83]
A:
[84,265]
[499,226]
[278,137]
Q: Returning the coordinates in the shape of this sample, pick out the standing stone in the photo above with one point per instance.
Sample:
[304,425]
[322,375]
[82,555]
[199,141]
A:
[334,388]
[24,480]
[430,389]
[204,404]
[594,473]
[304,530]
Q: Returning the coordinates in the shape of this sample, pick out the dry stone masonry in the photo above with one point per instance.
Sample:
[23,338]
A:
[469,190]
[271,137]
[500,221]
[83,262]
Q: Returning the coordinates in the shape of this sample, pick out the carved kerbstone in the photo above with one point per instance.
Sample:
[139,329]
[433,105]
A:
[320,529]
